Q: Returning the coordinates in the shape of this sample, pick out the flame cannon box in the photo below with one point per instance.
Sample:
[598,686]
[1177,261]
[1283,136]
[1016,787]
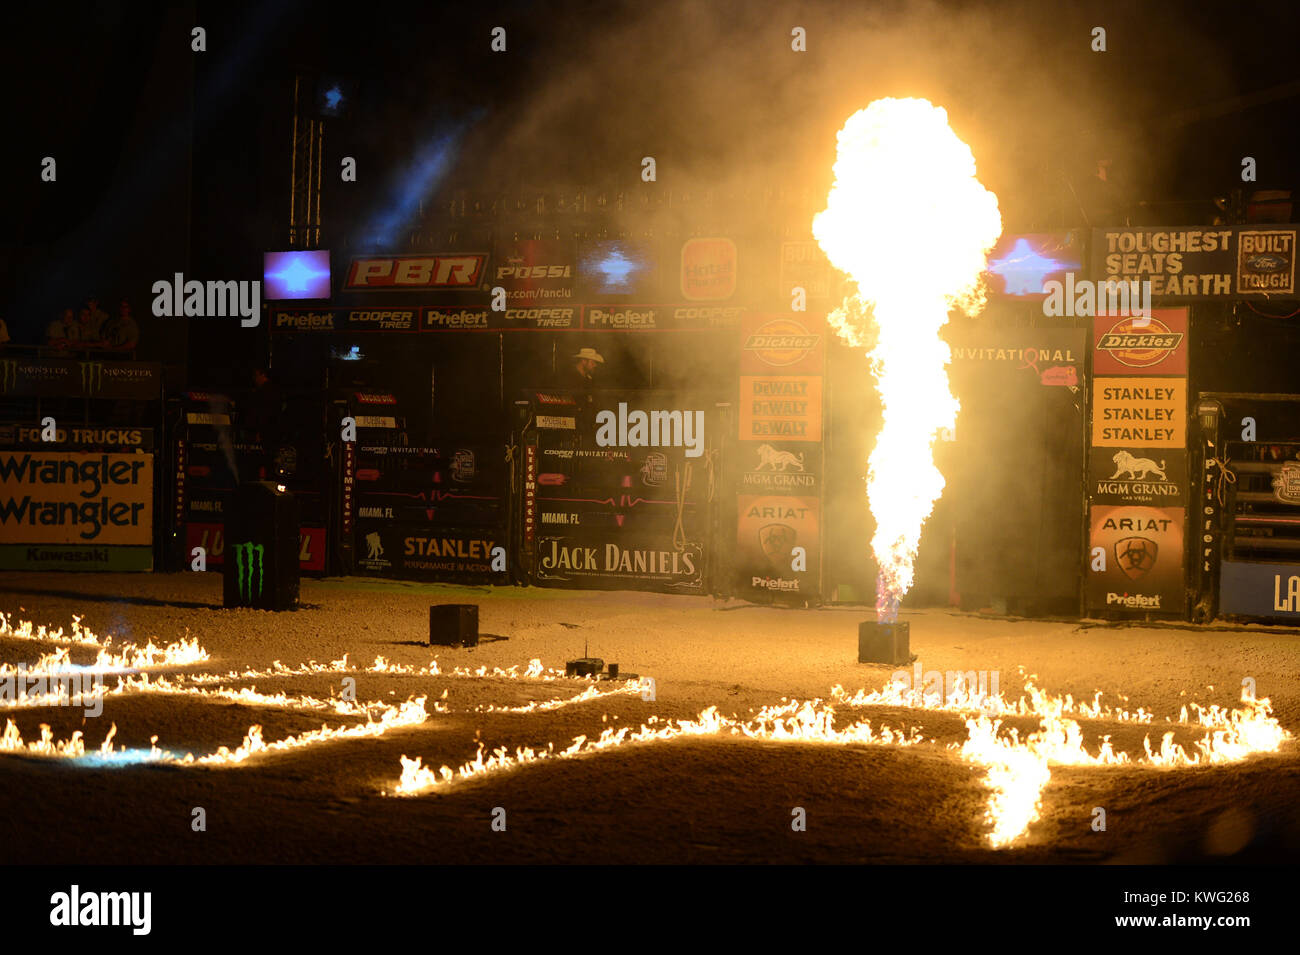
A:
[261,566]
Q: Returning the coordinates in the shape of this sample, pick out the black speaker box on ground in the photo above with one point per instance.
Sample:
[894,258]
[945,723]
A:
[884,642]
[261,559]
[453,625]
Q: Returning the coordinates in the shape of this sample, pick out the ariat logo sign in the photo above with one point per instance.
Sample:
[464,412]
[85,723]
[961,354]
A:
[249,569]
[1136,556]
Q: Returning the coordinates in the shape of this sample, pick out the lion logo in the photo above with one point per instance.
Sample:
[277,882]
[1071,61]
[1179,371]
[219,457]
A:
[1136,556]
[769,458]
[1137,469]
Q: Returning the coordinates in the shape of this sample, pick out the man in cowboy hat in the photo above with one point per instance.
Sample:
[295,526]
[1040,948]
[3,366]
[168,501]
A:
[581,380]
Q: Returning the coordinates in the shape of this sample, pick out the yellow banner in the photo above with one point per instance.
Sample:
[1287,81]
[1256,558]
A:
[69,498]
[1139,413]
[780,409]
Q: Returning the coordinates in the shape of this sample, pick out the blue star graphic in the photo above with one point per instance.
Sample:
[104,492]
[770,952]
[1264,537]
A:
[616,267]
[297,275]
[1023,270]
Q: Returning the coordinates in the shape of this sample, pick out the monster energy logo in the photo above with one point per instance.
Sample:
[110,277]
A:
[8,374]
[248,559]
[92,376]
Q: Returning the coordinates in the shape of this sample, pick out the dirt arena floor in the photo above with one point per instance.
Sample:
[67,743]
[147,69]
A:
[699,798]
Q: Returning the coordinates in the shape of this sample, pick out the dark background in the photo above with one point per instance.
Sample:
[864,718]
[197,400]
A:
[175,161]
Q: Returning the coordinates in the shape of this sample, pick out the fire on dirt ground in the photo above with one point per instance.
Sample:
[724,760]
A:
[1002,742]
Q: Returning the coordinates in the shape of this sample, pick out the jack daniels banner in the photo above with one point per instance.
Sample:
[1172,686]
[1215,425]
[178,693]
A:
[613,501]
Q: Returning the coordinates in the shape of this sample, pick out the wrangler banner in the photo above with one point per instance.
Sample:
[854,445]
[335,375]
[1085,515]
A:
[84,510]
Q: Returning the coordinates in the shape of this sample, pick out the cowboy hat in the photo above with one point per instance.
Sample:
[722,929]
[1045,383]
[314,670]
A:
[591,354]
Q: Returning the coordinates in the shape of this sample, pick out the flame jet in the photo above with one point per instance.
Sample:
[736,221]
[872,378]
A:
[912,226]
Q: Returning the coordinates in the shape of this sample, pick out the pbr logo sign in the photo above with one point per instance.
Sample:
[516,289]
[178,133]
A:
[440,271]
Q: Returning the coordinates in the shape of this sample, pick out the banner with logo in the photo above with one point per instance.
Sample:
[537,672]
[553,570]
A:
[779,544]
[212,538]
[1200,262]
[1136,561]
[1248,589]
[76,508]
[804,265]
[517,316]
[74,437]
[422,551]
[66,377]
[627,564]
[1144,412]
[1054,357]
[1133,345]
[1138,461]
[1138,475]
[437,272]
[653,318]
[708,272]
[779,455]
[535,271]
[781,363]
[395,319]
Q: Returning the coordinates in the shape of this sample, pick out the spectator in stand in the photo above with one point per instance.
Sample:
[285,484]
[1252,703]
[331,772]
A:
[97,316]
[64,330]
[88,331]
[121,333]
